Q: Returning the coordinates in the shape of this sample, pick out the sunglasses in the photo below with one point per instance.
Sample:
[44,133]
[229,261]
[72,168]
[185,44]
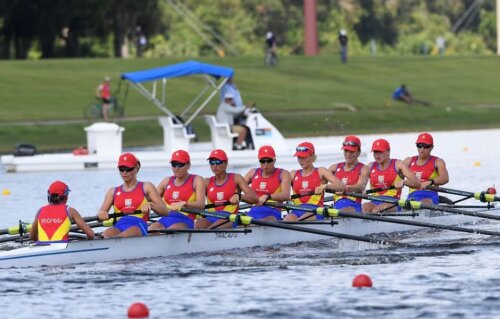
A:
[177,164]
[125,169]
[215,161]
[422,145]
[302,149]
[266,160]
[350,143]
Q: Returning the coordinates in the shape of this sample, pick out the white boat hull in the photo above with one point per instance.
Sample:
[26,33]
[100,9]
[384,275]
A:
[113,249]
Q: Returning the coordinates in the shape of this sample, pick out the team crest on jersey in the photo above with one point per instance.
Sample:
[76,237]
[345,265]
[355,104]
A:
[305,184]
[128,202]
[262,185]
[345,180]
[220,195]
[175,195]
[381,179]
[419,175]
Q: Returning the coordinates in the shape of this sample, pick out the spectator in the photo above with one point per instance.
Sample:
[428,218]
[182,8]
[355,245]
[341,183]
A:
[140,41]
[227,112]
[271,49]
[343,40]
[230,87]
[404,95]
[103,92]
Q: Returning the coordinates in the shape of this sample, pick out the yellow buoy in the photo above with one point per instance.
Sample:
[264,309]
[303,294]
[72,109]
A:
[478,163]
[6,192]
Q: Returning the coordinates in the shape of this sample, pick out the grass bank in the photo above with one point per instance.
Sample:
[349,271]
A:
[302,96]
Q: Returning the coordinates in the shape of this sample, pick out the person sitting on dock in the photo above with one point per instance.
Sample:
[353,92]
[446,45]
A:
[388,175]
[270,184]
[430,170]
[133,198]
[349,172]
[225,190]
[53,221]
[227,112]
[182,189]
[310,179]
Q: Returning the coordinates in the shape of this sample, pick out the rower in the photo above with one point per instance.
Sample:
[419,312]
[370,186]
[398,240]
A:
[270,183]
[429,169]
[180,190]
[389,175]
[224,188]
[310,179]
[53,221]
[133,198]
[349,172]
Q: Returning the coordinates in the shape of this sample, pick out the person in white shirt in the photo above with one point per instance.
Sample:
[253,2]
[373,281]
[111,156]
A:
[227,112]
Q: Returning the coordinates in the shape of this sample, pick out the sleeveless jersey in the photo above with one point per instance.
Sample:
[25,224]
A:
[266,185]
[348,178]
[53,224]
[385,178]
[424,172]
[181,193]
[222,193]
[105,91]
[305,184]
[128,202]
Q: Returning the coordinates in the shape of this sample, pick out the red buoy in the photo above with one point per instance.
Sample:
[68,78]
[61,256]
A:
[361,281]
[491,190]
[138,310]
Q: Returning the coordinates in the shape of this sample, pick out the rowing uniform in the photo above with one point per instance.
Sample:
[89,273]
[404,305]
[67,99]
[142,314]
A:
[222,193]
[424,172]
[53,224]
[306,184]
[128,203]
[348,178]
[183,193]
[383,179]
[265,186]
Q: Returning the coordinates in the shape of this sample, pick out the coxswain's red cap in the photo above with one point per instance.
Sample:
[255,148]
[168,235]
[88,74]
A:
[425,138]
[304,149]
[351,143]
[58,188]
[218,154]
[180,156]
[380,145]
[266,151]
[128,160]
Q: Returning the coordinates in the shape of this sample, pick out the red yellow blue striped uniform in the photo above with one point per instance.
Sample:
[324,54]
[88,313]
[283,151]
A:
[174,194]
[265,186]
[424,172]
[306,184]
[348,178]
[53,224]
[128,203]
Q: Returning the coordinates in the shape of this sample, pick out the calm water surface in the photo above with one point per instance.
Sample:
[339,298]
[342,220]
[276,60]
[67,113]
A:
[448,274]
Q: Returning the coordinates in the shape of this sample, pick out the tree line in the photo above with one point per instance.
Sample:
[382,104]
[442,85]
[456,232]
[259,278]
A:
[109,28]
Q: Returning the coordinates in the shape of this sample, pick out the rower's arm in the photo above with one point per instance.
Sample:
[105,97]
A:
[106,205]
[249,194]
[199,188]
[336,184]
[78,220]
[286,186]
[443,177]
[360,185]
[34,229]
[411,179]
[157,204]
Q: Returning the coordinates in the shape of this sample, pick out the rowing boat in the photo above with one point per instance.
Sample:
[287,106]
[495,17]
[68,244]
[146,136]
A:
[172,242]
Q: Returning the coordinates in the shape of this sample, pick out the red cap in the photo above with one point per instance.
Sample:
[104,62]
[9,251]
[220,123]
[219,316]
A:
[351,143]
[266,151]
[304,149]
[218,154]
[58,188]
[425,138]
[128,160]
[180,156]
[380,145]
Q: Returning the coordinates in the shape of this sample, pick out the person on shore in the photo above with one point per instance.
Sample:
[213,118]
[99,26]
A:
[388,175]
[227,113]
[225,190]
[53,221]
[270,184]
[133,198]
[343,41]
[104,93]
[349,172]
[429,169]
[182,189]
[310,179]
[404,95]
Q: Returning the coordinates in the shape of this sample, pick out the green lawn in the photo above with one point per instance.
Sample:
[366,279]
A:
[299,95]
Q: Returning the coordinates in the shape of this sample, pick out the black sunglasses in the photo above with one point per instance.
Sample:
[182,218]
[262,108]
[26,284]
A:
[350,143]
[266,160]
[177,164]
[215,161]
[125,169]
[302,149]
[422,145]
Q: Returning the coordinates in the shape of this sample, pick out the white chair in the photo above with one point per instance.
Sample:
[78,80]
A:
[222,137]
[175,136]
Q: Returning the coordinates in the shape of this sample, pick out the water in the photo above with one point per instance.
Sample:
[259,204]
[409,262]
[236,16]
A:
[449,274]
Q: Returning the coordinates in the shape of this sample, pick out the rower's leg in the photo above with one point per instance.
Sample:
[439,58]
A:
[202,223]
[110,232]
[386,207]
[133,231]
[290,218]
[178,226]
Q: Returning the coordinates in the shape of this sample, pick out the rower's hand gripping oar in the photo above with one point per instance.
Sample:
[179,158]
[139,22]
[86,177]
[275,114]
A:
[412,204]
[332,212]
[482,196]
[247,220]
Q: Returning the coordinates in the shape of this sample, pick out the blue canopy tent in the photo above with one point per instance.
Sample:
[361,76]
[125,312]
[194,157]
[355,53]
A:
[216,76]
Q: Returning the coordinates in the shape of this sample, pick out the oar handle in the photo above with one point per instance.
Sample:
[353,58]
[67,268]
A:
[213,205]
[379,189]
[482,196]
[302,195]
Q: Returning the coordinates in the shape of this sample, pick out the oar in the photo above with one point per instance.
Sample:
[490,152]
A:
[380,189]
[247,220]
[243,206]
[482,196]
[411,204]
[332,212]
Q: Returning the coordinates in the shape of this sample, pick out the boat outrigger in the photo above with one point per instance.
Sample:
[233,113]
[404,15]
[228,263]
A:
[104,140]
